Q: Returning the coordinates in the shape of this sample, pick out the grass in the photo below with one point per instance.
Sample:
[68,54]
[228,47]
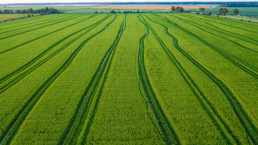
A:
[161,78]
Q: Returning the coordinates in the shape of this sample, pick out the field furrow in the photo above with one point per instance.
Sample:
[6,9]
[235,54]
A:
[235,33]
[226,37]
[244,66]
[101,76]
[165,126]
[133,118]
[74,128]
[238,109]
[60,20]
[34,24]
[29,104]
[10,83]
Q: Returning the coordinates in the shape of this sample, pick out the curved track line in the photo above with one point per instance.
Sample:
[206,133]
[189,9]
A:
[164,124]
[232,60]
[192,85]
[226,32]
[235,105]
[82,111]
[26,73]
[13,127]
[197,91]
[192,23]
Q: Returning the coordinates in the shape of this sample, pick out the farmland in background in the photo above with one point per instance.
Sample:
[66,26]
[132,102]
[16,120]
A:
[148,78]
[5,17]
[251,12]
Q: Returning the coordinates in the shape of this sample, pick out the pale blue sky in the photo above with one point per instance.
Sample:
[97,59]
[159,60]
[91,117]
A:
[52,1]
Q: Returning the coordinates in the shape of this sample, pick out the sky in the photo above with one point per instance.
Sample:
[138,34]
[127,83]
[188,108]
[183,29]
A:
[53,1]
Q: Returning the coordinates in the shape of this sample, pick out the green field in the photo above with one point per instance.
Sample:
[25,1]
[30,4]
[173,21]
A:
[149,78]
[251,12]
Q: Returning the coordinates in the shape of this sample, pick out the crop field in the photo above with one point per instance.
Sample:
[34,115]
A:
[4,17]
[148,78]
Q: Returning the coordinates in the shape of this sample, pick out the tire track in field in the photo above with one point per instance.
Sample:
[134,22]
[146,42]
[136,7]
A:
[192,23]
[61,20]
[243,117]
[25,23]
[34,24]
[226,32]
[43,62]
[164,124]
[19,45]
[229,25]
[74,128]
[198,93]
[240,65]
[24,74]
[192,85]
[28,106]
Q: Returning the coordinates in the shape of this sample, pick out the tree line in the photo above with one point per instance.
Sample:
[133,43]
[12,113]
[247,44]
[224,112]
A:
[222,11]
[42,11]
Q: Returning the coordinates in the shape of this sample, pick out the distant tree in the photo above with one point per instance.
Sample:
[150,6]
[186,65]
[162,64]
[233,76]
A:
[18,11]
[209,13]
[96,12]
[179,9]
[0,12]
[197,13]
[173,8]
[29,15]
[202,9]
[24,11]
[138,11]
[235,11]
[226,11]
[112,11]
[46,9]
[223,11]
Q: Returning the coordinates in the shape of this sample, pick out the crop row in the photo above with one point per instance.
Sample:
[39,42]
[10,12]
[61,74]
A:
[232,59]
[81,75]
[41,26]
[27,65]
[19,118]
[227,31]
[243,117]
[74,127]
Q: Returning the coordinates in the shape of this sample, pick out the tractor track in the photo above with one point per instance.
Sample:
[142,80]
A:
[164,124]
[232,60]
[61,20]
[226,32]
[19,45]
[243,117]
[82,111]
[13,127]
[198,93]
[192,23]
[35,24]
[24,74]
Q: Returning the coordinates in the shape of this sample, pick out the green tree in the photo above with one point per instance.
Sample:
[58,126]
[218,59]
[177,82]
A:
[235,11]
[173,8]
[223,11]
[202,9]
